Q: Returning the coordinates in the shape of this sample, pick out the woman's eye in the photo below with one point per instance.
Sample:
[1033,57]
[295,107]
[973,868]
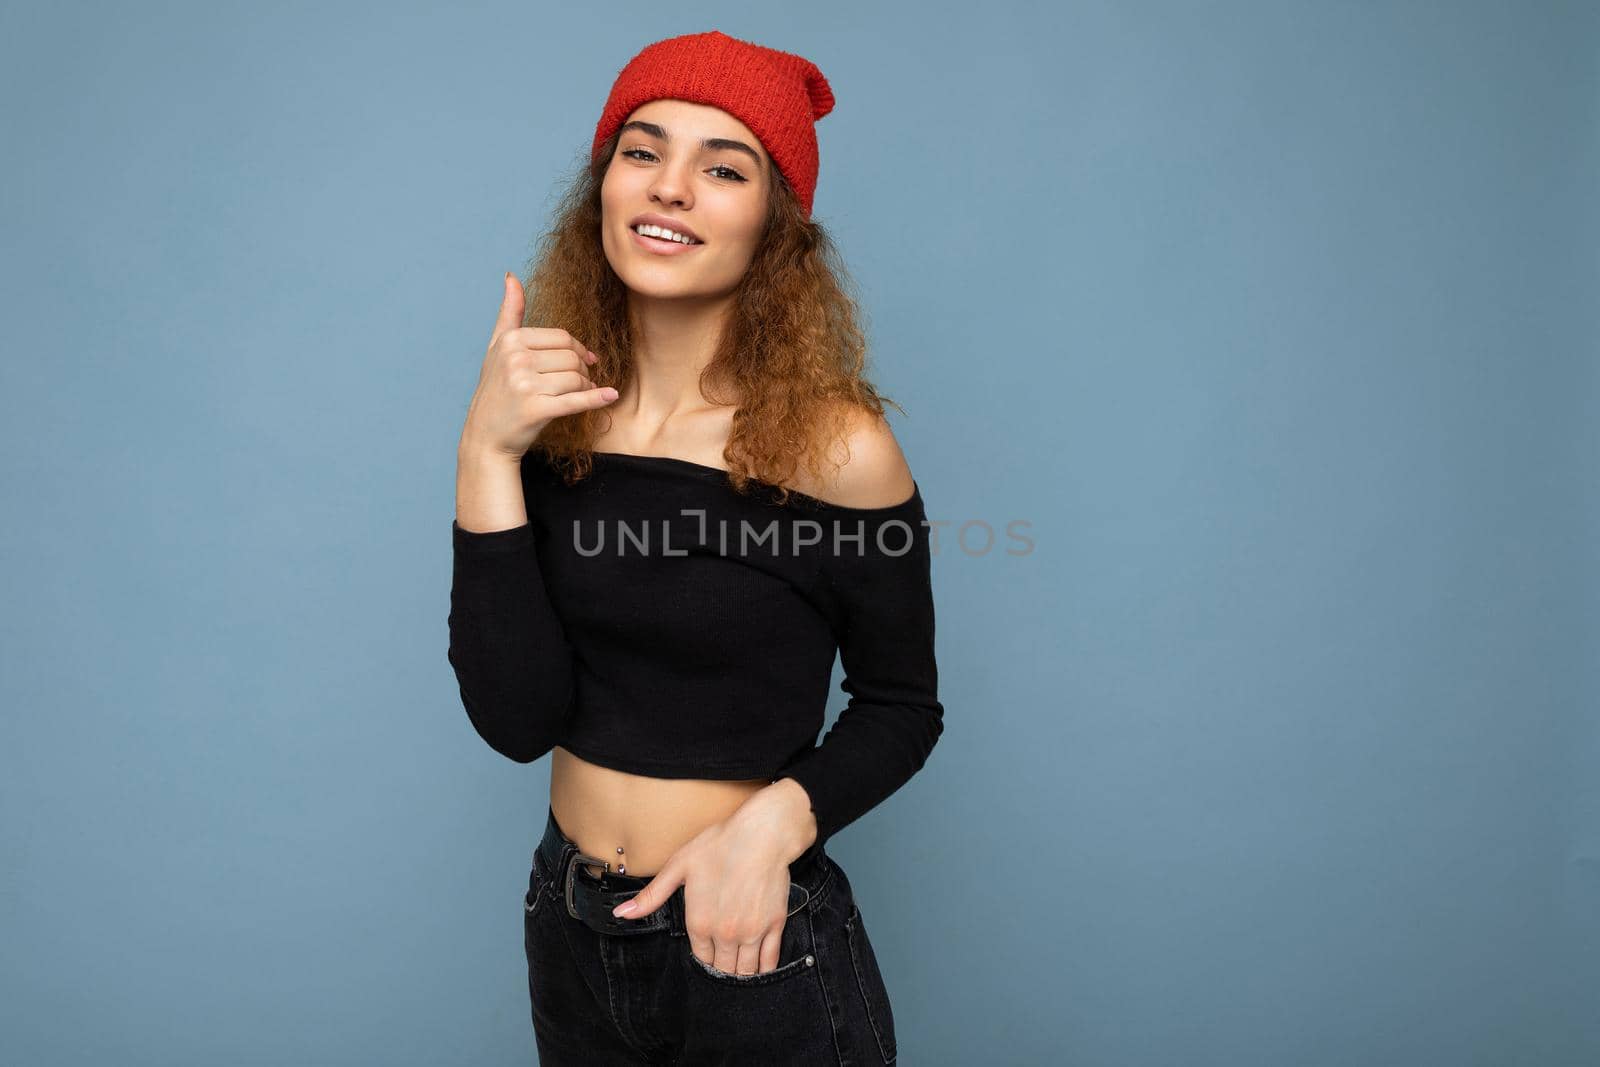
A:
[648,156]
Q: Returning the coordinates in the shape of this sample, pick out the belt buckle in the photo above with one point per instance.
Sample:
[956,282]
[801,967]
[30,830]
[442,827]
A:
[572,874]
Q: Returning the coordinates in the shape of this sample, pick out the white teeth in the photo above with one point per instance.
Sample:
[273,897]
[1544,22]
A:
[656,231]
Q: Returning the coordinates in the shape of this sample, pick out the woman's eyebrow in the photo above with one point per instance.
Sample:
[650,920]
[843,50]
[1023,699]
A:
[653,130]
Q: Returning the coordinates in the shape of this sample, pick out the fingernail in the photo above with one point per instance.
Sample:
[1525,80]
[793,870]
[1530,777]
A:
[627,907]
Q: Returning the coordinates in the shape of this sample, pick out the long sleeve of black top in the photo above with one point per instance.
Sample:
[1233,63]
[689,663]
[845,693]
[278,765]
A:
[883,615]
[510,654]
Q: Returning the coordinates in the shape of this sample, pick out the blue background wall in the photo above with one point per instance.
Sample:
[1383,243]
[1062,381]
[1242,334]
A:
[1276,321]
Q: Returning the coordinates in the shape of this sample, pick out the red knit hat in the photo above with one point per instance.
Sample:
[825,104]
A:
[779,95]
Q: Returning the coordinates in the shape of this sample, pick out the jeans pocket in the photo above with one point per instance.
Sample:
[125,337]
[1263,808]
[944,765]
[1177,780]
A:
[536,894]
[796,955]
[531,902]
[869,983]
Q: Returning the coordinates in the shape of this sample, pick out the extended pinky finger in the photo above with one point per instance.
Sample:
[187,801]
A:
[584,399]
[548,406]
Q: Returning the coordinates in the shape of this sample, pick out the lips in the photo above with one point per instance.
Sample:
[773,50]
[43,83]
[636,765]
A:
[653,219]
[659,246]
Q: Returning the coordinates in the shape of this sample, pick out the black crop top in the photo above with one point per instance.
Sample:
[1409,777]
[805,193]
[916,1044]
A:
[653,619]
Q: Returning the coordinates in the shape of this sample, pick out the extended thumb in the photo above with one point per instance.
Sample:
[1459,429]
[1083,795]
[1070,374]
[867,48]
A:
[511,306]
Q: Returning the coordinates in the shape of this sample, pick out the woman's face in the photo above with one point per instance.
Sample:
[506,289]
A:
[696,166]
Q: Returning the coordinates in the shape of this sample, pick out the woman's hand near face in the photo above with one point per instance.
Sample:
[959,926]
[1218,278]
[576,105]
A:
[735,882]
[531,375]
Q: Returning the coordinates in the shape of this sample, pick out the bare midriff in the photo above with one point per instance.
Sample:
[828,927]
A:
[602,810]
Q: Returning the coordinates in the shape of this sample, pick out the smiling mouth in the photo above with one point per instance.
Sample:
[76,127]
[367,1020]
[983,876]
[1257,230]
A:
[662,245]
[682,238]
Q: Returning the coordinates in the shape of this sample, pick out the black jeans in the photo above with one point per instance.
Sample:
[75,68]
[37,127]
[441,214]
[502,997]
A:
[639,995]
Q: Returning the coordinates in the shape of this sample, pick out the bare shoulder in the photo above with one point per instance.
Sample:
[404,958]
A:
[874,472]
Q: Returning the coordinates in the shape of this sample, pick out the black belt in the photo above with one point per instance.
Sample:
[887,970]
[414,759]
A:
[590,896]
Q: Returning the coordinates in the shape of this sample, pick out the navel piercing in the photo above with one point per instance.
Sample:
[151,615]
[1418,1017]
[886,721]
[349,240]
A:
[621,868]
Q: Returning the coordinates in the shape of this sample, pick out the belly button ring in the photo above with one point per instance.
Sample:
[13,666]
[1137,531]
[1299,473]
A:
[621,867]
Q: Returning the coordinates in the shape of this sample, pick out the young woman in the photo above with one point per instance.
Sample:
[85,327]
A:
[677,499]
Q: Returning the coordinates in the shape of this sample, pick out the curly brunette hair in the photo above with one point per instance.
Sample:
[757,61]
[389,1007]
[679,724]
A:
[793,347]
